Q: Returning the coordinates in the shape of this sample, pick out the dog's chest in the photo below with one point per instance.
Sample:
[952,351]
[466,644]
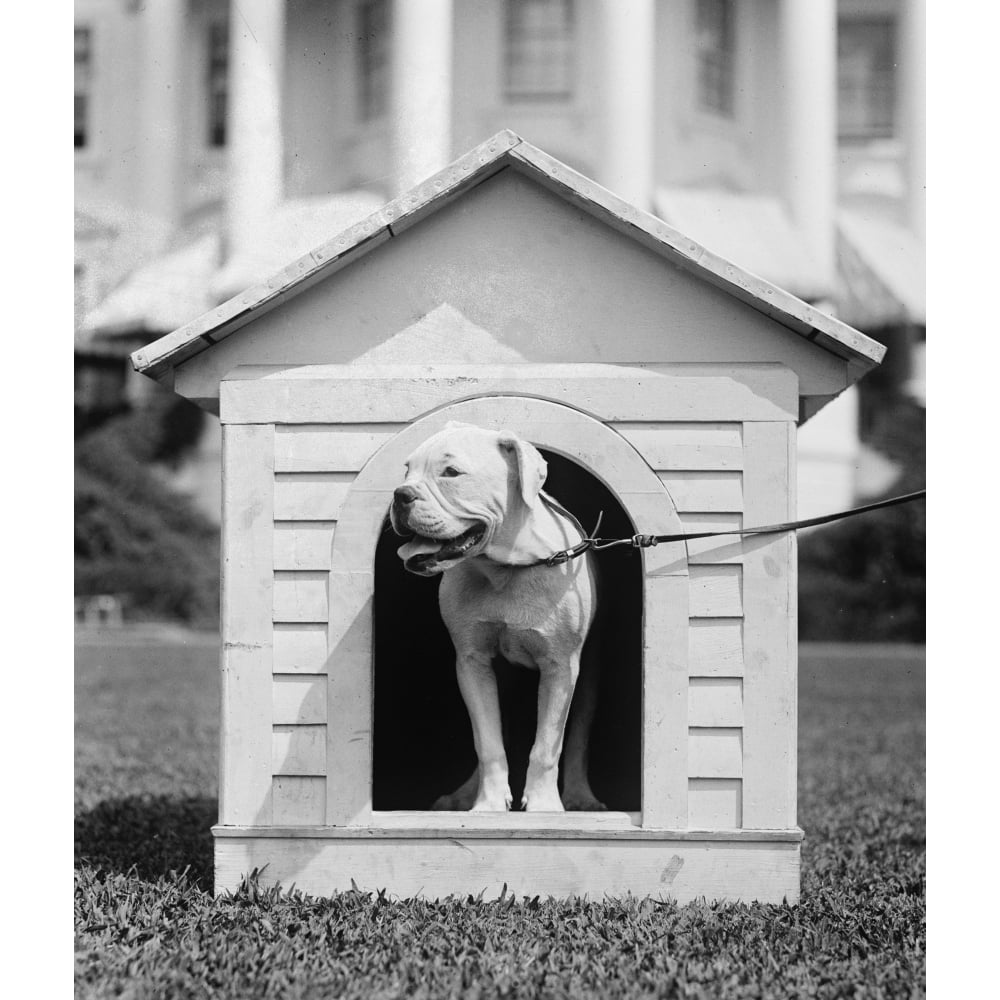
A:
[529,617]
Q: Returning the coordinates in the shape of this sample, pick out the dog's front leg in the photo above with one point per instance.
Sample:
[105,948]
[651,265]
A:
[478,684]
[555,693]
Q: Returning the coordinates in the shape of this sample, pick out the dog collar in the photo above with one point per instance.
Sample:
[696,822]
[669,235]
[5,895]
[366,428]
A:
[564,555]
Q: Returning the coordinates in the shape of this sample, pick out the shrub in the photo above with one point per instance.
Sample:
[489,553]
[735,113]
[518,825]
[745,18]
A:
[864,579]
[134,536]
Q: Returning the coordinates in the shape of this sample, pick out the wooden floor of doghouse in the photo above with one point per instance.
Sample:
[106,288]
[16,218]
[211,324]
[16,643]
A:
[453,860]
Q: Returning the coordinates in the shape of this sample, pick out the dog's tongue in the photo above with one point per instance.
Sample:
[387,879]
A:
[417,547]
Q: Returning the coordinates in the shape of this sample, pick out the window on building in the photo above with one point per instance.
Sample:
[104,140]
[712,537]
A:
[715,51]
[83,61]
[866,77]
[373,59]
[538,50]
[218,82]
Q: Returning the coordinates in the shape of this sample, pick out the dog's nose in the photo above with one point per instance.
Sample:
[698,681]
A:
[404,495]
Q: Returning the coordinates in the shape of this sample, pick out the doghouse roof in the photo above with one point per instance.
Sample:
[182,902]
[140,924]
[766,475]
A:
[163,358]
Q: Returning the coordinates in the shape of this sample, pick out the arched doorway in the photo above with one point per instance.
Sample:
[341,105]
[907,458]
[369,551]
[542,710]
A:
[602,470]
[422,740]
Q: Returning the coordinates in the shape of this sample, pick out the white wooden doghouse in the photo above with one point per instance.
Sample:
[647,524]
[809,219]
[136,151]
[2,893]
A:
[510,291]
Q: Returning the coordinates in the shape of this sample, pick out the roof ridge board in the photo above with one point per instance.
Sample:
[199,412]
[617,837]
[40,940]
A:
[775,302]
[580,187]
[395,216]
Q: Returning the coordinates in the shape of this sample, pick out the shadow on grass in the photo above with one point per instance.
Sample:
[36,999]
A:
[156,834]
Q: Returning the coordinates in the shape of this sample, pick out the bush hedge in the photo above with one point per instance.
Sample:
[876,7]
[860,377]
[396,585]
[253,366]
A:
[864,579]
[134,536]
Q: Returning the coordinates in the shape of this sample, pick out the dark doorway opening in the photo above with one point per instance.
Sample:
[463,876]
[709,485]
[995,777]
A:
[422,737]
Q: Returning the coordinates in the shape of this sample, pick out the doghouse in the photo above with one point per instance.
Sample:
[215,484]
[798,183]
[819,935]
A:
[663,384]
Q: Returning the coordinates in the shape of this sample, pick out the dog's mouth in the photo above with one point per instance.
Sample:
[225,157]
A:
[426,556]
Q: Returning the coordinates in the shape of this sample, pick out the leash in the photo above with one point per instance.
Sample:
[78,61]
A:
[647,541]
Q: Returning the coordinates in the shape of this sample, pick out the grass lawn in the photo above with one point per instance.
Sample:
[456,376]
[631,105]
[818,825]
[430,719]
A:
[147,925]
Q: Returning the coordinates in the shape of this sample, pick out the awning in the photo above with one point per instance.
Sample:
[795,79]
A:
[158,296]
[293,229]
[181,285]
[881,272]
[752,230]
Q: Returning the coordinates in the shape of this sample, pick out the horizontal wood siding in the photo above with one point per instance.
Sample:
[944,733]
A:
[681,446]
[310,496]
[715,701]
[716,591]
[727,548]
[715,752]
[299,699]
[715,647]
[715,803]
[299,648]
[315,466]
[303,544]
[702,467]
[328,448]
[299,800]
[300,596]
[299,750]
[705,492]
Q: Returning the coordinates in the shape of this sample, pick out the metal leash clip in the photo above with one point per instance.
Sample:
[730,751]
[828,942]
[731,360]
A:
[558,558]
[644,541]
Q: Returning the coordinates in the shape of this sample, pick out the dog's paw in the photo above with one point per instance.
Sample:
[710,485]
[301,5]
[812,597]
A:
[496,803]
[582,802]
[492,807]
[542,802]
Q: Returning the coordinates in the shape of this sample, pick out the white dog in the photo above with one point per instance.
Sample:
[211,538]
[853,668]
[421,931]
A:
[472,500]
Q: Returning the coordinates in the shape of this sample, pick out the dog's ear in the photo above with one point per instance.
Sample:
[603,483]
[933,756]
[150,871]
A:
[531,467]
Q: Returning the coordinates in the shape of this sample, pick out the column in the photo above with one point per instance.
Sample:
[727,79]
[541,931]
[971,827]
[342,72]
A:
[161,153]
[913,108]
[808,68]
[256,148]
[421,75]
[628,28]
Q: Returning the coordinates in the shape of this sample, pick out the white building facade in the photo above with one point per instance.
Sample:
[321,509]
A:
[257,124]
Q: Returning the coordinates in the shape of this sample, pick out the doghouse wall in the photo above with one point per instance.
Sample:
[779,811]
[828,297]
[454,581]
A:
[285,485]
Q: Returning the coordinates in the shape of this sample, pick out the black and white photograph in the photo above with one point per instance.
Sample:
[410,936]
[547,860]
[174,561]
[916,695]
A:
[500,499]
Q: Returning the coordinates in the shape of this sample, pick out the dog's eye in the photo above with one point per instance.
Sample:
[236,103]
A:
[450,471]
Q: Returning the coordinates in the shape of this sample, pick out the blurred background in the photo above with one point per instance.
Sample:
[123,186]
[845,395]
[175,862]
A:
[214,142]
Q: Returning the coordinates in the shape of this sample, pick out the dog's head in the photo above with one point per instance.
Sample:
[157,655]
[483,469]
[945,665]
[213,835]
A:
[465,494]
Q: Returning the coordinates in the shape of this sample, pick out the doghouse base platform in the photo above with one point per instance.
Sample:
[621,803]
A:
[479,854]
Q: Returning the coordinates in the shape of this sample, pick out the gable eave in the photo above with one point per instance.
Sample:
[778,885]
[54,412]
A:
[505,149]
[781,306]
[160,357]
